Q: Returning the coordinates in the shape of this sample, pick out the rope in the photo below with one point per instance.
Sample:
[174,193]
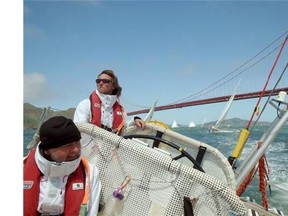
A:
[262,181]
[246,181]
[263,176]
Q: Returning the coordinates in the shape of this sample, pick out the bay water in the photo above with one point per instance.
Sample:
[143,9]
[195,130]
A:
[277,157]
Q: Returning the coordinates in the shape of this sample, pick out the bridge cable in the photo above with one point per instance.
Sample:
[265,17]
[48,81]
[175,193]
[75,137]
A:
[205,90]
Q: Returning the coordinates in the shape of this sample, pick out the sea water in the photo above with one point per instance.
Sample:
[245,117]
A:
[277,157]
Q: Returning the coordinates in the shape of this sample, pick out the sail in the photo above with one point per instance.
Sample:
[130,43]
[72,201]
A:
[174,125]
[151,112]
[225,111]
[203,122]
[191,124]
[148,117]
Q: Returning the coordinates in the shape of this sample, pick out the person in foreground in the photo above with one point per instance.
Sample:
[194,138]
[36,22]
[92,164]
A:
[103,108]
[57,179]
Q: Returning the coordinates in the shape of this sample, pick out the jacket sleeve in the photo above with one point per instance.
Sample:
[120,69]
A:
[82,112]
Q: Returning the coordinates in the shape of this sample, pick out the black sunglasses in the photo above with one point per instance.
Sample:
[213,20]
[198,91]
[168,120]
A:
[98,81]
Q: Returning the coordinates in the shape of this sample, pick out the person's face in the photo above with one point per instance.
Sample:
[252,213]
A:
[105,85]
[68,152]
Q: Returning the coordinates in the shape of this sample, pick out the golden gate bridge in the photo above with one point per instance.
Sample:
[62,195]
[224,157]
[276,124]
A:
[212,100]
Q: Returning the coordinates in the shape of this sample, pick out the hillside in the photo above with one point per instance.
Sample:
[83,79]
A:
[237,122]
[33,114]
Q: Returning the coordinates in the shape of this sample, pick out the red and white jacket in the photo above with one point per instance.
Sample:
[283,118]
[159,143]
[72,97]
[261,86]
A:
[85,175]
[118,113]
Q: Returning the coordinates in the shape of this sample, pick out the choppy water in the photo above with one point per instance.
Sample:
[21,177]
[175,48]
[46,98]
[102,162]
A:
[277,157]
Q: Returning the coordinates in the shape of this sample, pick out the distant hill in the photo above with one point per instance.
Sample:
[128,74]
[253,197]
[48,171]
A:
[33,114]
[236,122]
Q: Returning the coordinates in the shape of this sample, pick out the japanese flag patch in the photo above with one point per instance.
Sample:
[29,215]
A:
[28,185]
[77,186]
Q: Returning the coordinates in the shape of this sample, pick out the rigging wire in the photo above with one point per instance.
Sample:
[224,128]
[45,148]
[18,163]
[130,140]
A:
[268,99]
[245,133]
[252,173]
[267,81]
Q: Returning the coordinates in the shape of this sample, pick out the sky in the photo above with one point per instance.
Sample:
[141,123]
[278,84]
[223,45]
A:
[52,51]
[165,50]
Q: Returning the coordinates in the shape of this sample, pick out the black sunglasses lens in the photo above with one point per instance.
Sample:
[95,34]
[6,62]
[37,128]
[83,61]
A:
[98,81]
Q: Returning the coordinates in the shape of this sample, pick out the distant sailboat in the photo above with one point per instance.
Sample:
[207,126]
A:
[215,128]
[191,124]
[174,124]
[203,122]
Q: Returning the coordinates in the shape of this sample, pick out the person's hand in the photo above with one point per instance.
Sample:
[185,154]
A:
[140,123]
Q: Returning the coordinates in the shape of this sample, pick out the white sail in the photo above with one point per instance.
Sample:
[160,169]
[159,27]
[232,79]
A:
[148,117]
[191,124]
[174,124]
[225,111]
[203,122]
[151,112]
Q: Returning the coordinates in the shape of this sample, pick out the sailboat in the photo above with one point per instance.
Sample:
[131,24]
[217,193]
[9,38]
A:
[211,179]
[205,183]
[174,124]
[191,124]
[215,128]
[203,122]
